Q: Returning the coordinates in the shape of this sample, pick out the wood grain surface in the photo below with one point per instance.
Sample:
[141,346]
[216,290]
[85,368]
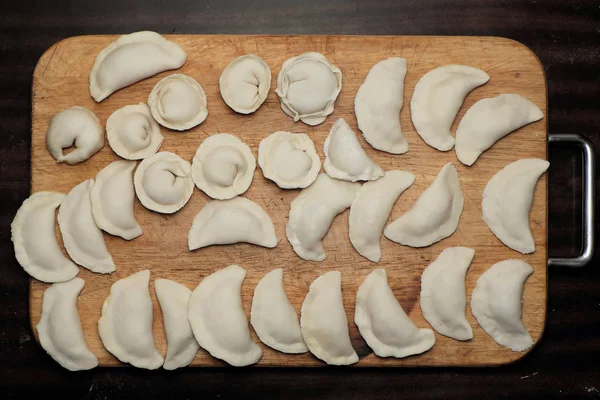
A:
[61,80]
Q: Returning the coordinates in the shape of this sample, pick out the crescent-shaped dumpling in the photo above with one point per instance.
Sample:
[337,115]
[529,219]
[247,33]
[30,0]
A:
[371,208]
[82,237]
[378,103]
[273,317]
[178,102]
[437,98]
[218,319]
[313,211]
[76,126]
[289,159]
[231,221]
[223,166]
[323,321]
[383,323]
[163,182]
[112,199]
[126,324]
[133,133]
[130,59]
[59,329]
[33,234]
[245,83]
[507,201]
[435,214]
[443,293]
[308,86]
[345,158]
[496,303]
[174,299]
[489,120]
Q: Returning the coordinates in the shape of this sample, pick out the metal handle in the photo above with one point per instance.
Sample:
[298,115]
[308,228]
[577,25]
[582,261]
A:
[588,195]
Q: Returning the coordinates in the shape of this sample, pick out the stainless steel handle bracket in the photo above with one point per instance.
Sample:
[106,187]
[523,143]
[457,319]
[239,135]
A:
[588,196]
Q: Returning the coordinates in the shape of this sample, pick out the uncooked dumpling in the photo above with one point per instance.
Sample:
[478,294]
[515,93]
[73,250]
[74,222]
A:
[323,321]
[133,133]
[76,126]
[245,83]
[273,317]
[308,86]
[496,303]
[371,208]
[130,59]
[345,158]
[378,103]
[313,211]
[231,221]
[443,295]
[489,120]
[383,323]
[289,159]
[437,98]
[112,199]
[163,182]
[178,102]
[126,324]
[59,329]
[34,237]
[507,201]
[218,319]
[181,344]
[82,237]
[223,166]
[435,214]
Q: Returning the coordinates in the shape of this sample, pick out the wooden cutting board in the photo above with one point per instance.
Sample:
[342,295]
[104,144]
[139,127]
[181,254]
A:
[61,80]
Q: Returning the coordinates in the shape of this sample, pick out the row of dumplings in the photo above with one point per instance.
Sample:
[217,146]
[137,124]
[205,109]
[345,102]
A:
[307,85]
[212,316]
[164,183]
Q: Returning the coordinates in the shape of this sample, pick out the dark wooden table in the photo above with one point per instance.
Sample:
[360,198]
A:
[564,34]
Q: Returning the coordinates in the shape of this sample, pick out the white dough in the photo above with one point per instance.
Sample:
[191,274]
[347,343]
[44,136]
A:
[323,321]
[163,182]
[443,293]
[383,323]
[245,83]
[435,214]
[76,126]
[178,102]
[59,329]
[313,211]
[308,86]
[496,303]
[82,237]
[125,327]
[218,319]
[378,103]
[437,98]
[345,158]
[33,234]
[489,120]
[507,199]
[273,317]
[231,221]
[371,209]
[133,133]
[181,344]
[223,166]
[289,159]
[130,59]
[112,199]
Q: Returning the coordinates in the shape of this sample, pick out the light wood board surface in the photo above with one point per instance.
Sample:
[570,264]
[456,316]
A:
[61,80]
